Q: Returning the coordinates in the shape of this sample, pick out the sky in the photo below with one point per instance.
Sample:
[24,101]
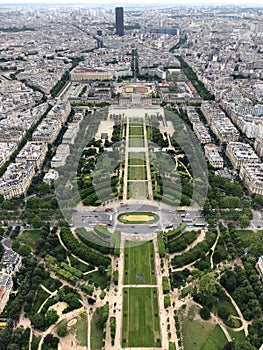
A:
[134,2]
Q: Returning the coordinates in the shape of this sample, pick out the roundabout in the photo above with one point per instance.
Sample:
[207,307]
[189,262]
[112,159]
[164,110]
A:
[138,218]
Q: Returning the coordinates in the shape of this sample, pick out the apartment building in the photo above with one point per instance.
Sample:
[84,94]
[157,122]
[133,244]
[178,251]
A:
[224,130]
[211,111]
[11,134]
[60,111]
[34,152]
[16,180]
[241,153]
[59,160]
[252,176]
[213,156]
[71,134]
[78,117]
[86,74]
[6,286]
[47,131]
[258,145]
[51,176]
[192,115]
[2,161]
[202,133]
[6,149]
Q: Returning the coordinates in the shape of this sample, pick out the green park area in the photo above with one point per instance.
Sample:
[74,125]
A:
[140,324]
[137,189]
[136,130]
[136,142]
[137,172]
[138,218]
[199,334]
[139,264]
[137,158]
[136,138]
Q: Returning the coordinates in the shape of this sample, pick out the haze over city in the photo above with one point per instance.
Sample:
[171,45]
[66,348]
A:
[131,175]
[138,2]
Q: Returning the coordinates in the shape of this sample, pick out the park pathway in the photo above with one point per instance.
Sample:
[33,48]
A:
[126,163]
[148,169]
[162,311]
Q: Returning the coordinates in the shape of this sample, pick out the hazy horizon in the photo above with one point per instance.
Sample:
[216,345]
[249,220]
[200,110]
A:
[132,2]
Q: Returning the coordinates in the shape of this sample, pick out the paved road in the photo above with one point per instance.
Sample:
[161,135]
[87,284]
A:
[7,243]
[168,216]
[257,221]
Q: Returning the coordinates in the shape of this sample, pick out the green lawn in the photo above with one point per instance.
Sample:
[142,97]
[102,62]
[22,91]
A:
[98,279]
[96,338]
[137,190]
[201,335]
[236,335]
[137,172]
[137,158]
[244,235]
[40,298]
[216,340]
[139,264]
[141,324]
[29,237]
[136,137]
[136,142]
[227,304]
[82,332]
[136,130]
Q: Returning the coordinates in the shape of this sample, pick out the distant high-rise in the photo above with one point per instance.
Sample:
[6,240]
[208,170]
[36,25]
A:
[119,21]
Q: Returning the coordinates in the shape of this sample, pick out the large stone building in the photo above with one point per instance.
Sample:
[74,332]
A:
[119,18]
[16,180]
[213,156]
[224,130]
[258,144]
[241,153]
[47,131]
[87,74]
[252,176]
[202,133]
[34,152]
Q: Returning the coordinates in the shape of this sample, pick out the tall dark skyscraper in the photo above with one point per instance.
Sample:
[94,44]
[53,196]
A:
[119,21]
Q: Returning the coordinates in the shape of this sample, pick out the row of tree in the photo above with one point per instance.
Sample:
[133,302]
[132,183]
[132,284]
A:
[82,251]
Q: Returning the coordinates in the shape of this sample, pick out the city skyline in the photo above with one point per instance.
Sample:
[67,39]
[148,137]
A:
[131,175]
[136,2]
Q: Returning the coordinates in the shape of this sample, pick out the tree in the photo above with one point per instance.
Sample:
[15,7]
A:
[43,188]
[36,222]
[206,286]
[62,330]
[74,303]
[205,313]
[243,345]
[230,283]
[256,243]
[38,321]
[256,332]
[24,250]
[48,338]
[12,346]
[230,345]
[223,312]
[32,203]
[244,221]
[51,317]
